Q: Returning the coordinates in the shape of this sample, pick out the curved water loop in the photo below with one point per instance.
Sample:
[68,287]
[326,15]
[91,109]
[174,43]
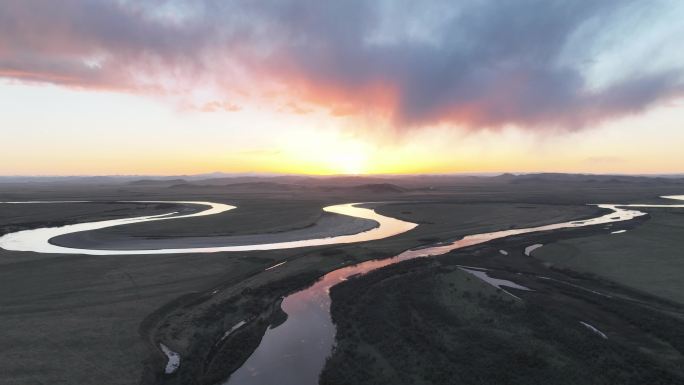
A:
[38,240]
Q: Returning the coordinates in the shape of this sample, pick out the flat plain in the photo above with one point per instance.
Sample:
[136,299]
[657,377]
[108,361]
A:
[81,319]
[648,258]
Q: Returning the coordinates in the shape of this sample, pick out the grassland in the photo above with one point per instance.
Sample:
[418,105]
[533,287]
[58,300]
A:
[648,258]
[252,298]
[70,319]
[428,322]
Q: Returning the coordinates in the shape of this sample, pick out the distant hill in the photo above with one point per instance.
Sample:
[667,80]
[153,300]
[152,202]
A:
[586,178]
[263,185]
[157,182]
[378,188]
[372,183]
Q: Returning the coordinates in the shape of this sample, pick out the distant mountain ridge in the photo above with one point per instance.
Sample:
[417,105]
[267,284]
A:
[371,182]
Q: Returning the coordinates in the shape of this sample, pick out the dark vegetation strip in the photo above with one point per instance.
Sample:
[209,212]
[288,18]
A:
[210,359]
[421,322]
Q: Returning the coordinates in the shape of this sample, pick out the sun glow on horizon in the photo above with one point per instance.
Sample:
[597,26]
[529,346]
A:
[280,88]
[142,136]
[349,163]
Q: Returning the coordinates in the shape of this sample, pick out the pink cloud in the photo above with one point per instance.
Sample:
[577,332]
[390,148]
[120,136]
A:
[490,65]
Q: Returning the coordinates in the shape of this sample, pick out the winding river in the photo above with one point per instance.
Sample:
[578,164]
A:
[38,240]
[294,353]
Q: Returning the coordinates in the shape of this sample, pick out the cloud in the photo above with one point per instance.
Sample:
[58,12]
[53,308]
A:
[218,105]
[295,108]
[473,64]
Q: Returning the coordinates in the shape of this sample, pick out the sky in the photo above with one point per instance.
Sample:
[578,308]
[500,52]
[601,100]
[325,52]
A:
[92,87]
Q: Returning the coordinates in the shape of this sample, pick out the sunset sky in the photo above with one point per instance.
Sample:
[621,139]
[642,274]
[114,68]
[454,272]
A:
[341,87]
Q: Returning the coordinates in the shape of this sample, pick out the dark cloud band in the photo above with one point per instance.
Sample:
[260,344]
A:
[474,64]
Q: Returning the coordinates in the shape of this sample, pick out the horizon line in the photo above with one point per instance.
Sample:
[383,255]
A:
[267,174]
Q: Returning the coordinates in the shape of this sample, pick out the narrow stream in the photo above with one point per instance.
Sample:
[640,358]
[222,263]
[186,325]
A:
[295,352]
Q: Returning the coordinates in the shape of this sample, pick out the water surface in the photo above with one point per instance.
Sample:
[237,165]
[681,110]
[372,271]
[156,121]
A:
[38,240]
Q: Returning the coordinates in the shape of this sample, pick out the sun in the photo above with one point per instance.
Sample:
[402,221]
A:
[349,162]
[327,153]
